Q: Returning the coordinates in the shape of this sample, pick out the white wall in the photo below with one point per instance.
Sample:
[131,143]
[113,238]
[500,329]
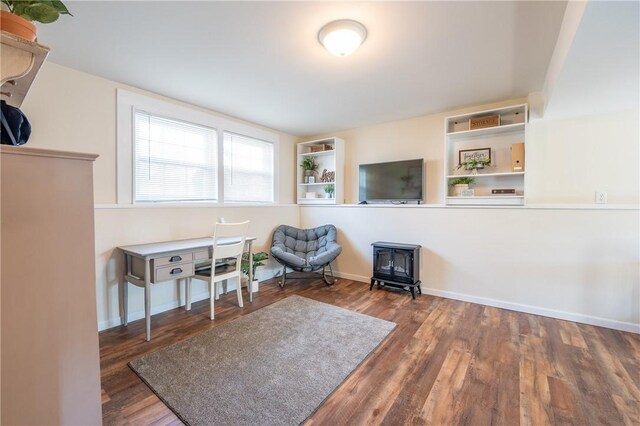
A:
[74,111]
[580,265]
[569,159]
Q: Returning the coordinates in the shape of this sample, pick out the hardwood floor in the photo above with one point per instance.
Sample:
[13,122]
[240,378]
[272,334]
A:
[447,362]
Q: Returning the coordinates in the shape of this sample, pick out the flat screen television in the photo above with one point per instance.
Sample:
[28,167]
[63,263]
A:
[396,181]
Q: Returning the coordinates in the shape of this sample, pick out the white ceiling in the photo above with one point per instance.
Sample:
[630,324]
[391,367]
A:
[261,61]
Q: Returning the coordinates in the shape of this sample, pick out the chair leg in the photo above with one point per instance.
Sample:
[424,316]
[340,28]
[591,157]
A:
[216,290]
[239,292]
[324,276]
[284,276]
[212,297]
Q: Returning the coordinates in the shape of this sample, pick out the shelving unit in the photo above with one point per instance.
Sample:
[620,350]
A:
[21,61]
[499,139]
[330,159]
[508,128]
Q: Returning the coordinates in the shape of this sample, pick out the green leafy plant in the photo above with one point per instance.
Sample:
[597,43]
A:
[44,11]
[461,181]
[329,189]
[309,164]
[474,164]
[258,260]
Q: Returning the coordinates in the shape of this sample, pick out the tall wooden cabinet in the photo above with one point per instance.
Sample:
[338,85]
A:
[49,343]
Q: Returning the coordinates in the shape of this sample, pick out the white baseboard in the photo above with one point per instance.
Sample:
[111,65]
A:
[353,277]
[536,310]
[133,316]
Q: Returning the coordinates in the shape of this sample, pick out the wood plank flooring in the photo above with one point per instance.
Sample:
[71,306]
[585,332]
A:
[447,363]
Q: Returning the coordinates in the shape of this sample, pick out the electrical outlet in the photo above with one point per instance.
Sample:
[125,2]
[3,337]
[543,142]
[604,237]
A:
[601,197]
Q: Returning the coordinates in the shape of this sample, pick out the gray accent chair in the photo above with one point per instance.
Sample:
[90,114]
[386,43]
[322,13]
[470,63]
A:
[305,250]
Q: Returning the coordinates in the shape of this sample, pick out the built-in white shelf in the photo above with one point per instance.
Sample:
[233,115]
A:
[318,153]
[317,183]
[491,143]
[508,128]
[331,160]
[488,175]
[316,201]
[500,200]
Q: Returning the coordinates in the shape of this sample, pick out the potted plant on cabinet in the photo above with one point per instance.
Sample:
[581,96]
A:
[17,16]
[309,167]
[258,260]
[460,184]
[329,189]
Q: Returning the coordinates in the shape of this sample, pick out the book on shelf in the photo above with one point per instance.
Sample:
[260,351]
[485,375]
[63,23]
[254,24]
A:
[506,191]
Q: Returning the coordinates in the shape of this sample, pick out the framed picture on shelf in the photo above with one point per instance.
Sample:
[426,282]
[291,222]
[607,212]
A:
[312,179]
[481,155]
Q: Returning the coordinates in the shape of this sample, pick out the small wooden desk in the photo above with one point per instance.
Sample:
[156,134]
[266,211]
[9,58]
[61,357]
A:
[146,264]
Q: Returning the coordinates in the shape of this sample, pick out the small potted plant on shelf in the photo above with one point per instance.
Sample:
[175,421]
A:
[17,16]
[474,165]
[460,184]
[309,167]
[329,189]
[258,260]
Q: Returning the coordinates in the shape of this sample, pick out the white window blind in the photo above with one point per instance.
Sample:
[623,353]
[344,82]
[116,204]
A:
[248,169]
[174,160]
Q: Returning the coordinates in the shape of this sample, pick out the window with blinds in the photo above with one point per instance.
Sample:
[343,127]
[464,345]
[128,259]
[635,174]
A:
[174,160]
[248,169]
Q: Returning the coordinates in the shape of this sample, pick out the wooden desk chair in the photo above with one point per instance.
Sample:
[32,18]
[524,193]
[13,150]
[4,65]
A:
[215,275]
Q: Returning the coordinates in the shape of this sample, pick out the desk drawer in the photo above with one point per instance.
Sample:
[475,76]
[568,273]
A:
[204,254]
[173,272]
[176,258]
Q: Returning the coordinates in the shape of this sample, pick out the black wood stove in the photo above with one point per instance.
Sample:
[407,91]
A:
[396,265]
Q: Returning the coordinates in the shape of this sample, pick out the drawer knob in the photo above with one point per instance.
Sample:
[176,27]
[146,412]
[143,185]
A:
[175,259]
[175,271]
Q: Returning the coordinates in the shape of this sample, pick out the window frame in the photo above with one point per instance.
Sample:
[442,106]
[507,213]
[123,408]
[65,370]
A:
[127,103]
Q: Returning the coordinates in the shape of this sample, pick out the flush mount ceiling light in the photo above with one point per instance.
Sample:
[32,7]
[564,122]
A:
[342,37]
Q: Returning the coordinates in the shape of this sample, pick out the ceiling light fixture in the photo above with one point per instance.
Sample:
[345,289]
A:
[342,37]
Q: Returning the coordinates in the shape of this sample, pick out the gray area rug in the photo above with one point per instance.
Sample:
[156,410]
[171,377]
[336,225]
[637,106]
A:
[274,366]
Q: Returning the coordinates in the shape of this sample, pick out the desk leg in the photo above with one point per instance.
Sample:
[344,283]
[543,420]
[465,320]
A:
[147,298]
[187,294]
[125,289]
[250,282]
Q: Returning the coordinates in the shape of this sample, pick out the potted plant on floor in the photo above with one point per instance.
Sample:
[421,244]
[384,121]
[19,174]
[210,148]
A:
[17,16]
[460,184]
[309,167]
[258,260]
